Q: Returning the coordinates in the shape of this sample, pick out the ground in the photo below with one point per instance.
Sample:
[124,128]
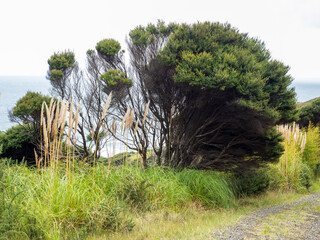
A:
[296,220]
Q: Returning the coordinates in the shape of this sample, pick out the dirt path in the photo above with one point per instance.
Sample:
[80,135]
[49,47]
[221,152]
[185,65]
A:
[296,220]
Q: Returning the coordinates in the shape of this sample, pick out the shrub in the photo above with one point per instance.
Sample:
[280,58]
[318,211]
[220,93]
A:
[306,176]
[135,192]
[254,182]
[17,144]
[311,153]
[276,179]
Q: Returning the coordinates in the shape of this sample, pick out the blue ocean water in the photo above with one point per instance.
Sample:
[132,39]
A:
[12,88]
[306,91]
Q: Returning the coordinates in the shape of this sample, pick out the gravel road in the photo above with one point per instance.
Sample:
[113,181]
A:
[296,220]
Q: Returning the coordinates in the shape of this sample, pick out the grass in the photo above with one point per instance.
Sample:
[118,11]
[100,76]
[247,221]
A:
[121,203]
[291,160]
[101,200]
[309,102]
[195,222]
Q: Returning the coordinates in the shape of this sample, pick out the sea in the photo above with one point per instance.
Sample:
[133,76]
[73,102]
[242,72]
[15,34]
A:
[12,88]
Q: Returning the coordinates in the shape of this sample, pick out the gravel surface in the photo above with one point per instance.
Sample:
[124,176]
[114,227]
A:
[296,220]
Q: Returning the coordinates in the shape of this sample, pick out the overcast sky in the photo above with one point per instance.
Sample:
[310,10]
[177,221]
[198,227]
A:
[32,30]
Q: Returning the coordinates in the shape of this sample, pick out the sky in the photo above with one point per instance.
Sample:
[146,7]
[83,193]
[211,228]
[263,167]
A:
[32,30]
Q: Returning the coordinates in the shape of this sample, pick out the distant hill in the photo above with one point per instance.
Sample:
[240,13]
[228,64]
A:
[303,104]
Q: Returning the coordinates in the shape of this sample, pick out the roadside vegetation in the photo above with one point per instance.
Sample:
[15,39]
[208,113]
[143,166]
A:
[199,146]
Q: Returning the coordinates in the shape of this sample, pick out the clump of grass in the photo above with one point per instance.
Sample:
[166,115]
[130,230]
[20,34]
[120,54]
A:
[209,188]
[290,162]
[16,221]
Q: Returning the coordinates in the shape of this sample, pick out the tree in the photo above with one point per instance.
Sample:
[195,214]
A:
[85,90]
[25,138]
[28,108]
[310,113]
[226,90]
[61,65]
[128,103]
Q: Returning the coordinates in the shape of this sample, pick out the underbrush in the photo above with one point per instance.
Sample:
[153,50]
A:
[52,203]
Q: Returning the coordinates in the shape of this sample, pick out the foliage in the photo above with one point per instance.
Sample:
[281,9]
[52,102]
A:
[255,182]
[28,108]
[115,78]
[61,65]
[56,74]
[298,163]
[276,178]
[304,104]
[311,152]
[136,193]
[108,47]
[61,60]
[203,89]
[215,92]
[217,56]
[310,113]
[301,184]
[306,176]
[291,160]
[21,141]
[144,36]
[17,143]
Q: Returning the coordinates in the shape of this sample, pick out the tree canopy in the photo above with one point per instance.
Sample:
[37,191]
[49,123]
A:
[28,108]
[227,91]
[61,65]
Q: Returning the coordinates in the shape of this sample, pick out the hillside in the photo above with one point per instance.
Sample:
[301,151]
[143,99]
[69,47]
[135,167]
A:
[303,104]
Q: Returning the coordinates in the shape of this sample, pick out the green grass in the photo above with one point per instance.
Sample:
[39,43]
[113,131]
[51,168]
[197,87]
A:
[55,203]
[120,203]
[309,102]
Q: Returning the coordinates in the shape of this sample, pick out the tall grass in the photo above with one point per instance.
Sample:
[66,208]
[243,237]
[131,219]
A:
[101,200]
[290,162]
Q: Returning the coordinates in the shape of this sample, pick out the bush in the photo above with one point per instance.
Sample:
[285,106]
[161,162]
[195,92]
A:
[306,177]
[17,144]
[311,153]
[135,192]
[254,182]
[276,179]
[279,182]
